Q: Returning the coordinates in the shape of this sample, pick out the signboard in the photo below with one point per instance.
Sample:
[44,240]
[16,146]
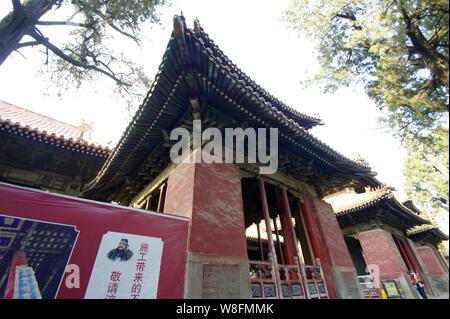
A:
[391,289]
[126,273]
[54,246]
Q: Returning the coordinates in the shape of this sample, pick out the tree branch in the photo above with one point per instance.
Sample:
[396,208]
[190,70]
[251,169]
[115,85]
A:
[73,61]
[344,16]
[349,16]
[17,6]
[73,15]
[106,20]
[67,23]
[433,59]
[21,54]
[27,44]
[16,15]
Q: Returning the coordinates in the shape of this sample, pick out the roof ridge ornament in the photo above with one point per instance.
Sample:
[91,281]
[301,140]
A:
[183,19]
[361,160]
[197,27]
[178,26]
[86,130]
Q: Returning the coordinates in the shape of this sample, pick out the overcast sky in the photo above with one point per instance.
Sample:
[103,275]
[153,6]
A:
[256,40]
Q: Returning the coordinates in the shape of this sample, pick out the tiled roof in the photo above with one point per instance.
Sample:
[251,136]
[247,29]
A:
[427,228]
[304,120]
[41,128]
[15,114]
[351,203]
[193,65]
[409,203]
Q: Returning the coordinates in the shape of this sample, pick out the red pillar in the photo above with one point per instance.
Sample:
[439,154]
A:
[162,196]
[19,259]
[210,195]
[402,251]
[415,263]
[290,238]
[265,208]
[317,245]
[288,229]
[261,251]
[277,236]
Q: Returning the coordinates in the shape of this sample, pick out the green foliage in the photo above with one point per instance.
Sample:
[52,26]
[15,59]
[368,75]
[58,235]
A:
[398,49]
[442,249]
[426,171]
[88,50]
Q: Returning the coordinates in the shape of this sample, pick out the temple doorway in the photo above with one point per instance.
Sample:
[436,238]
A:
[282,263]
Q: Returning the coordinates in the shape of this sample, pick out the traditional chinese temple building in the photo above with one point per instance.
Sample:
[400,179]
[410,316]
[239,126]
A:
[382,235]
[276,225]
[250,234]
[41,152]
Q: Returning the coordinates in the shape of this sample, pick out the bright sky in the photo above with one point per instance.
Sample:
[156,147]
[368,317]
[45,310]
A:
[253,36]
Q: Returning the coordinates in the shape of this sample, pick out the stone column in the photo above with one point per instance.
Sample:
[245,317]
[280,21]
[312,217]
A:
[380,249]
[210,195]
[343,272]
[417,264]
[437,274]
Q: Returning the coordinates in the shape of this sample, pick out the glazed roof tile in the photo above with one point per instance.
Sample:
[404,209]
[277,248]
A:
[41,128]
[427,228]
[349,203]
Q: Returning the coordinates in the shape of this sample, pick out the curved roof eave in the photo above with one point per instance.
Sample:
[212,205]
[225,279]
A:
[303,139]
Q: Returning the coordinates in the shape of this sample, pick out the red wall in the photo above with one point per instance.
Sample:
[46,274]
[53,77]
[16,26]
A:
[379,248]
[430,259]
[332,234]
[210,194]
[179,194]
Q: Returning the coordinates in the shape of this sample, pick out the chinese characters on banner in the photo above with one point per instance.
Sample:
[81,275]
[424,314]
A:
[126,267]
[56,246]
[113,285]
[139,275]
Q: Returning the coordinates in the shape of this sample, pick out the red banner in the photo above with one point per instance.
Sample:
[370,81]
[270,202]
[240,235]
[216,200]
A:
[54,246]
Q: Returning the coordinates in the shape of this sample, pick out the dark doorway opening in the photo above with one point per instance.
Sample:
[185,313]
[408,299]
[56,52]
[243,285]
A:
[357,254]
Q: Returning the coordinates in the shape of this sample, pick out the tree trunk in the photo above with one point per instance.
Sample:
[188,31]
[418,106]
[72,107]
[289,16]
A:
[436,62]
[19,22]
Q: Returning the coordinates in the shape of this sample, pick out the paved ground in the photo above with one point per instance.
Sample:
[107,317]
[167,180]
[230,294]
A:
[444,296]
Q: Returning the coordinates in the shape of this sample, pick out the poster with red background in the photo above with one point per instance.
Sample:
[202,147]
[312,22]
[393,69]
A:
[54,241]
